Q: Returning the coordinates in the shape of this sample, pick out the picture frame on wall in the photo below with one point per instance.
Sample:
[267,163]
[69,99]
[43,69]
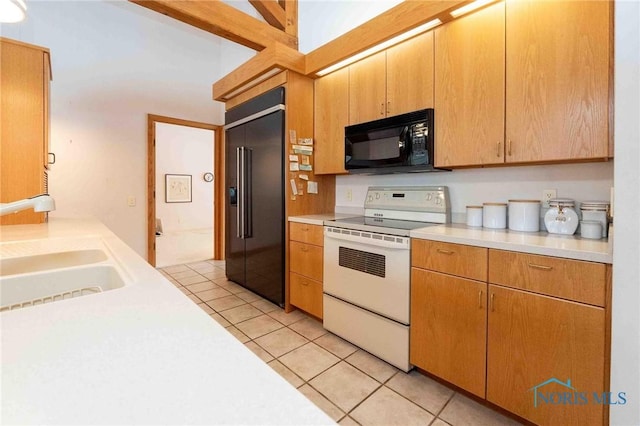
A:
[177,188]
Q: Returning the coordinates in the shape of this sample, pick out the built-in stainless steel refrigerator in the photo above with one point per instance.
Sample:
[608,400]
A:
[255,208]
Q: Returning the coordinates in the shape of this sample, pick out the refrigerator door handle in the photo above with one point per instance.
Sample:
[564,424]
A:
[249,192]
[239,171]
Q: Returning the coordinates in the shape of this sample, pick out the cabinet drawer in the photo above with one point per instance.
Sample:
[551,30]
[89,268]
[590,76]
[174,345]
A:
[568,279]
[455,259]
[312,234]
[306,260]
[306,294]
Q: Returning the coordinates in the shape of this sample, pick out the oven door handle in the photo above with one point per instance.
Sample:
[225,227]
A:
[399,243]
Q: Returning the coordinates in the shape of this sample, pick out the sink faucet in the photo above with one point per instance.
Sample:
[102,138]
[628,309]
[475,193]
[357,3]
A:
[39,203]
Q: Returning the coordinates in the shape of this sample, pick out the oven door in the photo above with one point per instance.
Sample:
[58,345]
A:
[368,270]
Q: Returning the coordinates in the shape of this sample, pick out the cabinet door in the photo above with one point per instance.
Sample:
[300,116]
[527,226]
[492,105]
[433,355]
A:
[410,75]
[306,294]
[533,339]
[331,117]
[22,127]
[469,89]
[367,89]
[449,328]
[557,95]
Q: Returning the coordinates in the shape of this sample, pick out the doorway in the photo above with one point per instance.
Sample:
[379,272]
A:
[184,226]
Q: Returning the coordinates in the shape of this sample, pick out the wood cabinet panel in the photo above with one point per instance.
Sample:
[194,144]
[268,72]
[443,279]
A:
[24,119]
[534,338]
[306,260]
[306,294]
[410,75]
[449,328]
[331,117]
[367,89]
[305,233]
[557,80]
[455,259]
[568,279]
[470,89]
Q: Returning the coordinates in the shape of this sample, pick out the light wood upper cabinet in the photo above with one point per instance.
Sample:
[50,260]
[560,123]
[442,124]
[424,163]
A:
[367,89]
[534,338]
[557,80]
[24,116]
[449,328]
[410,75]
[469,89]
[331,117]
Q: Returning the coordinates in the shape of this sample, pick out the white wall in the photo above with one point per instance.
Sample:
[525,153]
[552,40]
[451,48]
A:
[322,21]
[113,63]
[186,151]
[580,182]
[625,356]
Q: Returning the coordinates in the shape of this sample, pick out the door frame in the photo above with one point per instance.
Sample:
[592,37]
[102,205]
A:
[218,182]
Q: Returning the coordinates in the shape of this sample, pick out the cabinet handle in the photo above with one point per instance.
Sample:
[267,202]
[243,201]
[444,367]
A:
[542,267]
[480,299]
[382,108]
[493,306]
[305,229]
[498,149]
[304,249]
[443,251]
[509,147]
[304,283]
[54,158]
[388,107]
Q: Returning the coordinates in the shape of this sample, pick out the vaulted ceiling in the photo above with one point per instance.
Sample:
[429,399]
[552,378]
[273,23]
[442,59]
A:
[218,18]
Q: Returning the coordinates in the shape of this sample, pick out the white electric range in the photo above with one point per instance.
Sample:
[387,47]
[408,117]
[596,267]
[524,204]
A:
[367,268]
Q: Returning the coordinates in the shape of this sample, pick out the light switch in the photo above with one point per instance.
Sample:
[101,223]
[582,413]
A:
[131,201]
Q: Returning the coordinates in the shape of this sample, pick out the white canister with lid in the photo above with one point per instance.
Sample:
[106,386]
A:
[524,215]
[494,215]
[561,218]
[598,211]
[474,216]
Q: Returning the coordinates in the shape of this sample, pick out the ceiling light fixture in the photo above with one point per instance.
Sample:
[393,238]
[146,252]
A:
[379,47]
[12,11]
[470,7]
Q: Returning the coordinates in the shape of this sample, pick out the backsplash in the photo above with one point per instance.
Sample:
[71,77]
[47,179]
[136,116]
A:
[581,182]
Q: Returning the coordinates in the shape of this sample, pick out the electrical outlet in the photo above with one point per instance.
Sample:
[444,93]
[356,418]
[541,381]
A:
[131,201]
[349,195]
[548,194]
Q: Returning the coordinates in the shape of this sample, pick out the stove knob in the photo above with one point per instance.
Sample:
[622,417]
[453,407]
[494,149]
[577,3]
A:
[377,195]
[429,196]
[370,198]
[438,201]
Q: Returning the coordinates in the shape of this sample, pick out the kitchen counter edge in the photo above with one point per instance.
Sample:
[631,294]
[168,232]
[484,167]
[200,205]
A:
[540,243]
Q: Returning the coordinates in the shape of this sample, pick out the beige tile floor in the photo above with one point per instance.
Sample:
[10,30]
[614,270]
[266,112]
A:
[350,385]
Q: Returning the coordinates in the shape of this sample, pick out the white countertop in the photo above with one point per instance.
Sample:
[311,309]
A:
[318,219]
[139,354]
[543,243]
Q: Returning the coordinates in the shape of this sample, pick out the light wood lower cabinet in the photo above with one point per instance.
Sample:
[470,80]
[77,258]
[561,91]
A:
[533,339]
[535,336]
[449,328]
[305,267]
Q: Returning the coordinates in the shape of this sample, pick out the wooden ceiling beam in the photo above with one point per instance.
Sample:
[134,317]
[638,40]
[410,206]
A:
[397,20]
[271,11]
[291,17]
[222,20]
[272,59]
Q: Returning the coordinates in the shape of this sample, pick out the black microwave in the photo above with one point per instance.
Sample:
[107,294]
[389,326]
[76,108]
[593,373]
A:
[403,143]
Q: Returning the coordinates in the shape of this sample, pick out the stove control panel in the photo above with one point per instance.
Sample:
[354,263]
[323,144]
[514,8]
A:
[387,201]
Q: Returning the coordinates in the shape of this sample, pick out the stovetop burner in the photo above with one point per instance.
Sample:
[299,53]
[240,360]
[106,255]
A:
[381,222]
